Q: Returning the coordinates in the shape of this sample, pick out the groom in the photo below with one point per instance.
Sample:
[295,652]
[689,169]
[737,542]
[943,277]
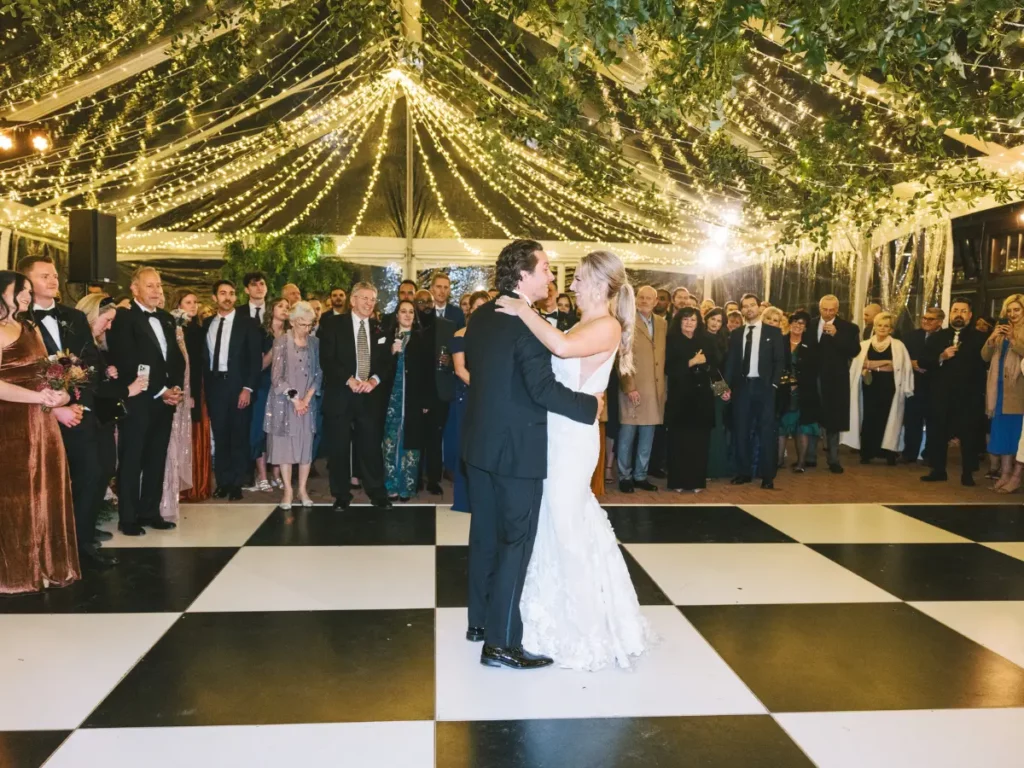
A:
[504,446]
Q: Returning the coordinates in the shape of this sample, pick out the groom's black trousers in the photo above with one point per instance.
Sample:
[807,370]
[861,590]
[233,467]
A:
[501,534]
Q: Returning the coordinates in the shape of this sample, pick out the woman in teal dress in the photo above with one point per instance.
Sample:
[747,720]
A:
[720,463]
[404,424]
[798,399]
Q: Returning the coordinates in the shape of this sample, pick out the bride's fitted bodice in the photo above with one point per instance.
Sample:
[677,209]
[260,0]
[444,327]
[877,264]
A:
[567,371]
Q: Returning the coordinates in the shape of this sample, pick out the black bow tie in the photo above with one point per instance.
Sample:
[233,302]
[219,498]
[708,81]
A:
[42,314]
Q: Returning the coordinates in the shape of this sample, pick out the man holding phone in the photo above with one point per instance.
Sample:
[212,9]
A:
[142,346]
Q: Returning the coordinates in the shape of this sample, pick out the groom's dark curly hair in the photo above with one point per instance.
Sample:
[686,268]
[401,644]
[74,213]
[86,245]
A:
[515,258]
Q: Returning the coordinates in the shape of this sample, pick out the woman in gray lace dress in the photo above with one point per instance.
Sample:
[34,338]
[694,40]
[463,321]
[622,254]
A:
[290,423]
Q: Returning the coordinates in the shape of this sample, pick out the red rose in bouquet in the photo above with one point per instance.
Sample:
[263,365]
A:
[64,372]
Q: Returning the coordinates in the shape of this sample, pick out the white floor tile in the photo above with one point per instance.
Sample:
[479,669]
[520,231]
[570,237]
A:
[452,527]
[727,574]
[1011,548]
[56,668]
[682,675]
[353,745]
[849,524]
[997,624]
[993,738]
[323,578]
[200,525]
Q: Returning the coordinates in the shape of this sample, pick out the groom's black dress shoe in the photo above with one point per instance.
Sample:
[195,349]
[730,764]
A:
[221,493]
[235,494]
[626,486]
[475,634]
[341,505]
[90,557]
[768,485]
[513,658]
[645,485]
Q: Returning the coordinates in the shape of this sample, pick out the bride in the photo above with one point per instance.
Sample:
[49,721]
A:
[579,606]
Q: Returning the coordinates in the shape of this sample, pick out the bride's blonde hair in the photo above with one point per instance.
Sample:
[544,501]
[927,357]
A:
[607,269]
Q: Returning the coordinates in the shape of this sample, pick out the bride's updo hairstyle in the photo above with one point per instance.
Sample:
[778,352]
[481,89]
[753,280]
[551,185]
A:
[604,268]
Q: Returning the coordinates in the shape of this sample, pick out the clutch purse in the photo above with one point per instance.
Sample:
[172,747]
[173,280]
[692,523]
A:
[718,383]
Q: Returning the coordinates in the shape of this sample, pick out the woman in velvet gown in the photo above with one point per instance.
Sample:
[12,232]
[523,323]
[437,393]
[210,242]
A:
[202,457]
[37,522]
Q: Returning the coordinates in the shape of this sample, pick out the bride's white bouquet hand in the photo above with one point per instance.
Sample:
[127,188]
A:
[510,306]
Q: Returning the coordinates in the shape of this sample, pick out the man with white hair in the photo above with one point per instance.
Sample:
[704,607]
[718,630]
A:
[642,395]
[834,343]
[356,361]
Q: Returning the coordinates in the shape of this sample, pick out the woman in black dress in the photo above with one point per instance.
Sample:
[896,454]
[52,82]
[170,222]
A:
[691,354]
[878,387]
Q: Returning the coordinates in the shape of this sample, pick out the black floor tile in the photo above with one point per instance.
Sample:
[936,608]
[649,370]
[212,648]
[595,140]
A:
[629,742]
[932,571]
[453,579]
[360,526]
[978,522]
[29,749]
[691,525]
[280,667]
[156,580]
[452,576]
[855,657]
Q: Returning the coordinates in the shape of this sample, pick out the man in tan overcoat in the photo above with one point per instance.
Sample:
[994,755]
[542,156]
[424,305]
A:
[642,394]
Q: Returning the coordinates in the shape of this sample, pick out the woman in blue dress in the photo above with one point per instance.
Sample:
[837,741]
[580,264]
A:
[453,428]
[404,424]
[1004,395]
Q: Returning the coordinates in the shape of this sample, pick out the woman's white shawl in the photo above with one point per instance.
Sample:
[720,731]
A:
[903,372]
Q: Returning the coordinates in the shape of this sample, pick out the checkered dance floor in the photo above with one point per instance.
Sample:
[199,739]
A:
[842,636]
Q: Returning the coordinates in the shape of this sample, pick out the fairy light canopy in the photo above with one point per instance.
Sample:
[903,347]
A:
[195,123]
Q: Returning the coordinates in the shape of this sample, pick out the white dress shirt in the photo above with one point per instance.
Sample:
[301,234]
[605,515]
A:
[356,320]
[50,323]
[649,322]
[221,365]
[158,331]
[439,311]
[755,340]
[261,307]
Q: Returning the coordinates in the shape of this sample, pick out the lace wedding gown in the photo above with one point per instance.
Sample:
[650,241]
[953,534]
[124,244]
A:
[579,606]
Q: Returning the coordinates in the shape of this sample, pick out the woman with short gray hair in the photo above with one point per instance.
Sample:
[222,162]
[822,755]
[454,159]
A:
[295,379]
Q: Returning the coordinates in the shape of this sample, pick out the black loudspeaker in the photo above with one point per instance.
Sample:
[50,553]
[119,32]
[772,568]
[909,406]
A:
[92,247]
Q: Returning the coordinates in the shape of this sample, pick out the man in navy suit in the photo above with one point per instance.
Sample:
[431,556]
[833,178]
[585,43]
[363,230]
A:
[753,369]
[440,289]
[232,364]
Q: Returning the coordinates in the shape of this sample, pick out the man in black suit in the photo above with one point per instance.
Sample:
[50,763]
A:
[64,328]
[232,363]
[753,369]
[356,359]
[915,412]
[504,446]
[835,343]
[141,341]
[442,388]
[953,361]
[440,290]
[256,289]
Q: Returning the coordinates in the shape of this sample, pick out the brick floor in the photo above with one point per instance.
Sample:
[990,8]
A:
[859,484]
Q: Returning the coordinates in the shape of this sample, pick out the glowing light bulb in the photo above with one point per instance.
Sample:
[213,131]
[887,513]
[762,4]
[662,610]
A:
[40,143]
[6,142]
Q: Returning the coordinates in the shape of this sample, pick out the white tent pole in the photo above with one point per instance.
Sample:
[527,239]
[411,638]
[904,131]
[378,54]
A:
[863,273]
[767,273]
[560,278]
[947,268]
[707,286]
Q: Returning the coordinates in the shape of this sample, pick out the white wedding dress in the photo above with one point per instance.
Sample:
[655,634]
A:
[579,606]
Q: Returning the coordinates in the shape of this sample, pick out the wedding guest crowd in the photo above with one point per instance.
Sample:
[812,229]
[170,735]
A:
[244,393]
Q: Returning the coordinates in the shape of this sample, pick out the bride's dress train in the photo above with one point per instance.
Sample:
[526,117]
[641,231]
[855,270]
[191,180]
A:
[579,606]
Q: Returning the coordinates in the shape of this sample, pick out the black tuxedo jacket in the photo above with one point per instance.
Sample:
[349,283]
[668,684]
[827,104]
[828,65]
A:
[961,378]
[245,352]
[338,360]
[513,388]
[76,338]
[441,330]
[132,342]
[916,343]
[770,356]
[834,355]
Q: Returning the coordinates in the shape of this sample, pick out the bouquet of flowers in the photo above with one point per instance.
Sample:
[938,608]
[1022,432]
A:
[64,372]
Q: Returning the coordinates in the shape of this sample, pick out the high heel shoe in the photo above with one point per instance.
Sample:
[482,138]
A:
[1010,487]
[307,502]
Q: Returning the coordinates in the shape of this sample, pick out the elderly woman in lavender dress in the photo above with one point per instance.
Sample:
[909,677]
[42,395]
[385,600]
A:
[290,421]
